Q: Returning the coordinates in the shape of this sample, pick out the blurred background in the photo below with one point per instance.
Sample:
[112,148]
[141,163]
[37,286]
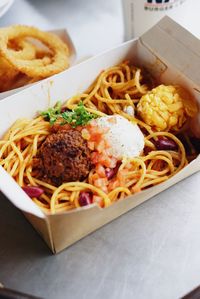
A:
[94,25]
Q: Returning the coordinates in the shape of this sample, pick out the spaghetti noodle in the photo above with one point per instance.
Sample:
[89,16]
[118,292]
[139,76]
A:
[113,90]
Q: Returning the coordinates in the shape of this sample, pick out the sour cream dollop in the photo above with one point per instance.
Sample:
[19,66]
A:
[124,137]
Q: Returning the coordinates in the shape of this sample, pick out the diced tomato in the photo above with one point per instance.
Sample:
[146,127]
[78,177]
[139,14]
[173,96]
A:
[113,184]
[92,123]
[96,137]
[95,157]
[101,157]
[107,145]
[107,161]
[104,160]
[79,128]
[100,146]
[100,171]
[95,176]
[101,182]
[104,189]
[98,200]
[113,162]
[85,134]
[105,130]
[112,120]
[91,145]
[121,176]
[128,165]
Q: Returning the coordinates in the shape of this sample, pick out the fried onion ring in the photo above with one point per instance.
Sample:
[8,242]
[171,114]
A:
[7,75]
[22,49]
[40,68]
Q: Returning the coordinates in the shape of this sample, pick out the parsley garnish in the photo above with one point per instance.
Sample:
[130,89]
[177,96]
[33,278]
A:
[52,114]
[76,117]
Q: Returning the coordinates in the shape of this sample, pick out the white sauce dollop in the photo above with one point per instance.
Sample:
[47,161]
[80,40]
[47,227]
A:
[124,137]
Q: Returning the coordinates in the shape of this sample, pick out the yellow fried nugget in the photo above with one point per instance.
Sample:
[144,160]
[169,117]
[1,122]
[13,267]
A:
[166,108]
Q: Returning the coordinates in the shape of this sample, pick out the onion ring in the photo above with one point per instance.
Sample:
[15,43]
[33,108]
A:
[6,69]
[25,50]
[40,68]
[7,75]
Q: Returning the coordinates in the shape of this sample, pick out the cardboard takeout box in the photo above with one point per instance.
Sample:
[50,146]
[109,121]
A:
[171,54]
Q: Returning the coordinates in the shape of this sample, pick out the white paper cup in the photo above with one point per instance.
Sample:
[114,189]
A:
[141,15]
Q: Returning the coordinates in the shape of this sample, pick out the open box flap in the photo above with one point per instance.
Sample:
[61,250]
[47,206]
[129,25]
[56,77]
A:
[176,46]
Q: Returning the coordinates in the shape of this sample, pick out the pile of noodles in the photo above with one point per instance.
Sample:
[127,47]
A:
[113,90]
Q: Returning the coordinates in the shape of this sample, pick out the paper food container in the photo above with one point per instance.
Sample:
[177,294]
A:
[63,34]
[171,54]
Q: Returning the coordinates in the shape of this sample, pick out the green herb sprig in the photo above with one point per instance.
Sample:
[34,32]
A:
[52,114]
[76,117]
